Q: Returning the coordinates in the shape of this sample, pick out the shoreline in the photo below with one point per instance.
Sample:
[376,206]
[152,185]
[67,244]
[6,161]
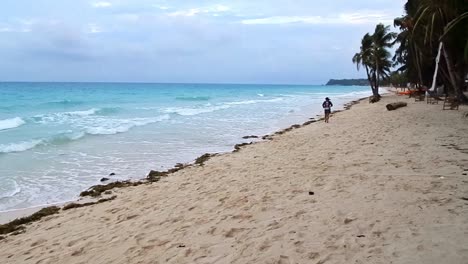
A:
[12,214]
[341,192]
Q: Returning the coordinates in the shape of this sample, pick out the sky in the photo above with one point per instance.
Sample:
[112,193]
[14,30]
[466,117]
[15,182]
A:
[186,41]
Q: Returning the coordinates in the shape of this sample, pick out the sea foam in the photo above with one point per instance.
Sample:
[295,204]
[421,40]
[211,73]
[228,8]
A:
[115,126]
[11,123]
[186,111]
[20,146]
[209,108]
[9,188]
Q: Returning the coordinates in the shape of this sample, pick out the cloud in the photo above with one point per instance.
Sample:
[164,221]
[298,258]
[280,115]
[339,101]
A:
[101,4]
[215,9]
[94,28]
[344,18]
[19,26]
[161,7]
[6,29]
[186,40]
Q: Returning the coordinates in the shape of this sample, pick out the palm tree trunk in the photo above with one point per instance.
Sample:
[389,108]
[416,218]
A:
[436,71]
[415,52]
[376,88]
[369,79]
[451,71]
[456,80]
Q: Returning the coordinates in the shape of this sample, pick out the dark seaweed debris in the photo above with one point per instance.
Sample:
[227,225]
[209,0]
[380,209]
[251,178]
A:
[78,205]
[97,190]
[155,176]
[309,122]
[203,158]
[287,129]
[18,224]
[238,147]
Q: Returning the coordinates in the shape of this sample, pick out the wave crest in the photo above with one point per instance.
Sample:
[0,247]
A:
[111,127]
[11,123]
[194,111]
[20,146]
[193,98]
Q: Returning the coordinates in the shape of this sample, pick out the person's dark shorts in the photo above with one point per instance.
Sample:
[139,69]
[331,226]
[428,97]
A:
[327,111]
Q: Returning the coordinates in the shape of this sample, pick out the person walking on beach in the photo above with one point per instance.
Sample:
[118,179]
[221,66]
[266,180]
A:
[327,105]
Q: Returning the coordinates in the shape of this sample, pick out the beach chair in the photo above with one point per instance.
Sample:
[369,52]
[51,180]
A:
[419,96]
[432,97]
[451,103]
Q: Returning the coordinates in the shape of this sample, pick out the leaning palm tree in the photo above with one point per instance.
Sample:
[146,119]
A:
[363,57]
[375,57]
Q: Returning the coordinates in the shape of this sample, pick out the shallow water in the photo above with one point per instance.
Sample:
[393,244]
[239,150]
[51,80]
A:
[57,139]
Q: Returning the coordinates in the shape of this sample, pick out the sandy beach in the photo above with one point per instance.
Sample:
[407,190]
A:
[372,186]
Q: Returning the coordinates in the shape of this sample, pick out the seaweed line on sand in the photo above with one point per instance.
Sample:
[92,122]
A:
[17,226]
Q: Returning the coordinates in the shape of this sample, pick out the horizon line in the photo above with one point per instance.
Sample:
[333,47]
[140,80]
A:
[137,82]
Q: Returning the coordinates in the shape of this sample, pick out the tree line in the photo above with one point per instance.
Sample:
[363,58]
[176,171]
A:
[432,37]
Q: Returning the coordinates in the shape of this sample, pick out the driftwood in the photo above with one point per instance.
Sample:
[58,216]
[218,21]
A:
[394,106]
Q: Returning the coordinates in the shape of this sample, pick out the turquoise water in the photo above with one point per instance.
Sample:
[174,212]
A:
[57,139]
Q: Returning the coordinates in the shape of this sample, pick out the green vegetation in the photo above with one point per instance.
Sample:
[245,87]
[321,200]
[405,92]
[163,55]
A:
[348,82]
[428,29]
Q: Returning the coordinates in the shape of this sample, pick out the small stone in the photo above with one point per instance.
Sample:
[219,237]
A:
[348,220]
[311,193]
[112,174]
[361,236]
[104,179]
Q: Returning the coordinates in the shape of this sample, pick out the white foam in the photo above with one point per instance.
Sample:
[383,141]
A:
[194,111]
[147,108]
[355,94]
[208,108]
[115,126]
[10,193]
[11,123]
[255,101]
[21,146]
[64,116]
[89,112]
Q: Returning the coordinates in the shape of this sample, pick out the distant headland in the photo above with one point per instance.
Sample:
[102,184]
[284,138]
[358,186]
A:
[348,82]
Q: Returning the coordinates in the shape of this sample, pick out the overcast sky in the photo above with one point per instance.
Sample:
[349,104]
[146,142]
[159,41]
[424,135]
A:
[243,41]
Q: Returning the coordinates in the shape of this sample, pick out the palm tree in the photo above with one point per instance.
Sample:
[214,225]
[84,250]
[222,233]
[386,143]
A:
[408,57]
[445,22]
[364,57]
[375,57]
[382,40]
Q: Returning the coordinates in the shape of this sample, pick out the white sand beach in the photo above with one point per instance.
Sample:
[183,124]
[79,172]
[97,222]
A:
[372,186]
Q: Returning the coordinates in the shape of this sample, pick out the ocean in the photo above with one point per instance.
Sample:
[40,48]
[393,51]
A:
[57,139]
